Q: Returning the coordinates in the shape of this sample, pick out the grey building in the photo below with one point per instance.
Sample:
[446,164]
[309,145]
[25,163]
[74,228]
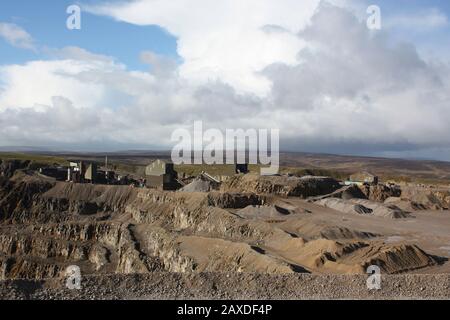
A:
[364,178]
[82,172]
[161,174]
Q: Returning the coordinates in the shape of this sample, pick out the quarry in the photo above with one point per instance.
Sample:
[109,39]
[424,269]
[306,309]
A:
[243,236]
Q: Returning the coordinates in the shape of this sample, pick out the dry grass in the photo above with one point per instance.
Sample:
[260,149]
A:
[45,160]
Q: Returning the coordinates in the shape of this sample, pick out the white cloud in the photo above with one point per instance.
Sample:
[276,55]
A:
[16,36]
[348,88]
[354,86]
[35,83]
[224,40]
[76,53]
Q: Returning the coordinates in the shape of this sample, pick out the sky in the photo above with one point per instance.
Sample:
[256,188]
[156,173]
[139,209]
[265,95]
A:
[138,70]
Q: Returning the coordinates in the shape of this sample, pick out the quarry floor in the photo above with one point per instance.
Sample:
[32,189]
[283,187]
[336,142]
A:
[219,286]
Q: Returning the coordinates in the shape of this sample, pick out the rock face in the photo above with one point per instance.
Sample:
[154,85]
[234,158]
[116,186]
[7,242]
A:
[427,198]
[46,227]
[9,167]
[18,202]
[234,200]
[380,192]
[345,193]
[303,187]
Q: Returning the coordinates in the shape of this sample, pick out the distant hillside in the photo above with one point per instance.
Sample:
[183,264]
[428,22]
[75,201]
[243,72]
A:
[418,170]
[426,171]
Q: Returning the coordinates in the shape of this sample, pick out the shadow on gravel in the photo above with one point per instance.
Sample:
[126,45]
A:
[26,287]
[439,260]
[299,269]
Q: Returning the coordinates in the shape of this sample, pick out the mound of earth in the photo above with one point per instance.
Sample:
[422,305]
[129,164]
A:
[309,228]
[344,206]
[346,193]
[198,185]
[380,193]
[362,206]
[354,257]
[303,187]
[279,210]
[429,198]
[382,210]
[405,205]
[226,256]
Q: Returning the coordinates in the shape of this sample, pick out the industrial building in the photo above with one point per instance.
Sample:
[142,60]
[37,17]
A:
[228,170]
[82,172]
[362,178]
[161,174]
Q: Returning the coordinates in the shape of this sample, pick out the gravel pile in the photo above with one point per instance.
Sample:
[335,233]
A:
[232,286]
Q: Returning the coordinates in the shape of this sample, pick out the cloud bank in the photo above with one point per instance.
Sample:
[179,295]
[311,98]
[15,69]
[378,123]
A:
[315,71]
